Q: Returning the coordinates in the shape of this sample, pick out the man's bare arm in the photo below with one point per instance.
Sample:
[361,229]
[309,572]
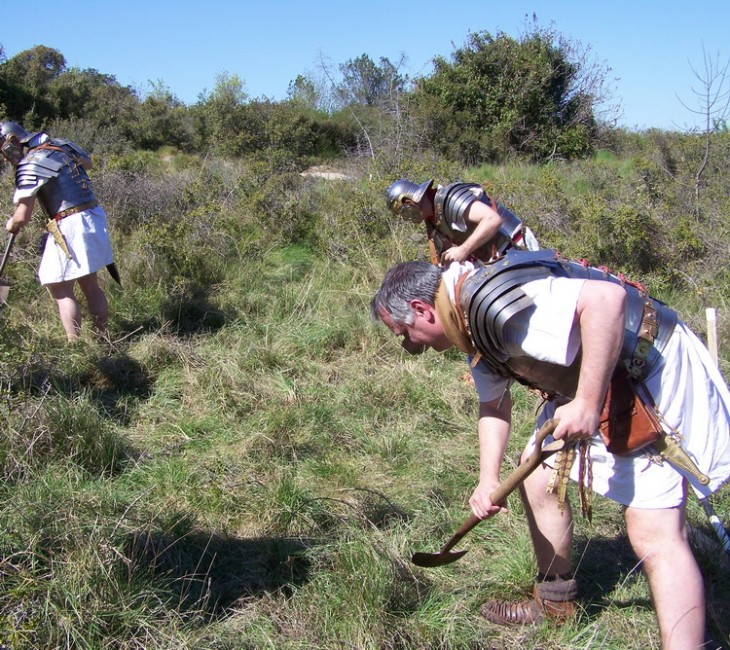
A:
[487,223]
[493,430]
[21,216]
[600,316]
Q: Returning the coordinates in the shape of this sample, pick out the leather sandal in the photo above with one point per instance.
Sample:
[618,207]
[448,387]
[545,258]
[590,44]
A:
[529,611]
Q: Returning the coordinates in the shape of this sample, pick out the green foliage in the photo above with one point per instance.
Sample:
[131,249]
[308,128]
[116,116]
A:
[25,80]
[92,107]
[249,462]
[162,120]
[617,236]
[366,83]
[499,95]
[265,126]
[92,95]
[467,110]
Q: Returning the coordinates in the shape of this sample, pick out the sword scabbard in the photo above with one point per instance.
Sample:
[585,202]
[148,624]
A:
[52,227]
[671,451]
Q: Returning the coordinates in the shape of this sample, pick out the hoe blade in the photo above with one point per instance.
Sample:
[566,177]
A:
[539,454]
[431,560]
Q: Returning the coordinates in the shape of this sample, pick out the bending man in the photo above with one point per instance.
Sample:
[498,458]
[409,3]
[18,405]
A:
[54,173]
[568,331]
[462,222]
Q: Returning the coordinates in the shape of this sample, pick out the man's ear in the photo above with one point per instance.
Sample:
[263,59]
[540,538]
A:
[423,309]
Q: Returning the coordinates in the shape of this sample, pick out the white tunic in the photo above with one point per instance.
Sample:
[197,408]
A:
[88,242]
[685,384]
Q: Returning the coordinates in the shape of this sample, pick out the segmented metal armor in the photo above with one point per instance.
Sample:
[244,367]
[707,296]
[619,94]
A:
[53,173]
[449,222]
[497,312]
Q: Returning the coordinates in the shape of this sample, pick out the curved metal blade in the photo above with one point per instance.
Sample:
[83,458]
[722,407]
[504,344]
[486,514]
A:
[539,454]
[431,560]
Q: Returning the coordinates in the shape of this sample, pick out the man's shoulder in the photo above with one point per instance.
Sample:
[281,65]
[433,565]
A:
[45,156]
[458,189]
[452,201]
[39,164]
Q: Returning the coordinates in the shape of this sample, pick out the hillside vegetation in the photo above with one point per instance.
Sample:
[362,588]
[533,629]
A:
[250,463]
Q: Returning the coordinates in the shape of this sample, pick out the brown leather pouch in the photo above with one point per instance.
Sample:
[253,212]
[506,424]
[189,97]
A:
[626,424]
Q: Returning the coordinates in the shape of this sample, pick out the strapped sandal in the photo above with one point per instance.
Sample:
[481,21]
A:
[529,611]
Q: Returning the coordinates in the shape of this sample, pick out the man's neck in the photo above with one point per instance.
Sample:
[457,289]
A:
[451,321]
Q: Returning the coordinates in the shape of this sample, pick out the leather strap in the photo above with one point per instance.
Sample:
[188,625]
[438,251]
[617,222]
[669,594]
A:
[647,333]
[452,321]
[77,208]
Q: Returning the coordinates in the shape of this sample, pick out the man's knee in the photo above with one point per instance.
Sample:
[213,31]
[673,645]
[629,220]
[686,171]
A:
[654,533]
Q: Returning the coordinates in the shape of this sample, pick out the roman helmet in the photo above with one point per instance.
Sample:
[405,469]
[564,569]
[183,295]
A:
[404,197]
[12,138]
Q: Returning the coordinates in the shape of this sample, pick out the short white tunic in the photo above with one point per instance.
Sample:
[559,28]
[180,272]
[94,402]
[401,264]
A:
[685,384]
[88,241]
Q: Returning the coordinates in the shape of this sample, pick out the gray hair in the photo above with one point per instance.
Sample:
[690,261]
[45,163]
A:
[405,282]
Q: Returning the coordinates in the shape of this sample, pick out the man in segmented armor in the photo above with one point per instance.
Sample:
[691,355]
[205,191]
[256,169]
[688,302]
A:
[54,172]
[570,330]
[462,222]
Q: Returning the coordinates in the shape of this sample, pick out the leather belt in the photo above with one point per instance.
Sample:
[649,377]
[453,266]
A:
[77,208]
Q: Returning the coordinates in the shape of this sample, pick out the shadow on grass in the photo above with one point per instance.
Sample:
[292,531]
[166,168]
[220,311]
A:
[110,381]
[113,381]
[184,314]
[607,563]
[209,573]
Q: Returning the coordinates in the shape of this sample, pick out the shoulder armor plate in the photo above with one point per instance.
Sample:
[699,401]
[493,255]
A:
[37,167]
[497,312]
[55,177]
[452,201]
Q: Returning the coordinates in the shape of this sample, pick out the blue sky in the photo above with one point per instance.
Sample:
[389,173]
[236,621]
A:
[649,45]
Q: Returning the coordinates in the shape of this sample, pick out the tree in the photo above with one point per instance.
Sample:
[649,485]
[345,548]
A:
[93,95]
[370,93]
[25,79]
[35,67]
[713,106]
[161,119]
[311,93]
[534,95]
[365,83]
[221,122]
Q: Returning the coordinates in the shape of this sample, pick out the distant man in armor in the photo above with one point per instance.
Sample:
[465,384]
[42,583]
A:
[572,331]
[462,222]
[53,171]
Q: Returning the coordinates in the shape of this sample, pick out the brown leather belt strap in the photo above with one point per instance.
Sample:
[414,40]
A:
[77,208]
[646,335]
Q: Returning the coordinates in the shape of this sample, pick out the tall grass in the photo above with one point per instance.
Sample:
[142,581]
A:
[250,463]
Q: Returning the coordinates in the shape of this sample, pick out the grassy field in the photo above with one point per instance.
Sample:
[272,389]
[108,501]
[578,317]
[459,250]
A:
[250,463]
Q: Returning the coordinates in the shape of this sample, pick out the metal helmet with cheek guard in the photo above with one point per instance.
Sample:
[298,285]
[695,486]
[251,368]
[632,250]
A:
[403,189]
[12,138]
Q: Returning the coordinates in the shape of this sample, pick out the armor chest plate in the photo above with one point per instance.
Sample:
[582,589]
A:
[56,179]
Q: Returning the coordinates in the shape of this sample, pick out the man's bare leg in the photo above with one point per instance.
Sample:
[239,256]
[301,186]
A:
[552,536]
[659,539]
[68,308]
[550,529]
[97,301]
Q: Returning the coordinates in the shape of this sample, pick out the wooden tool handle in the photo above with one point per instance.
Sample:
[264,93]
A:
[506,487]
[11,239]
